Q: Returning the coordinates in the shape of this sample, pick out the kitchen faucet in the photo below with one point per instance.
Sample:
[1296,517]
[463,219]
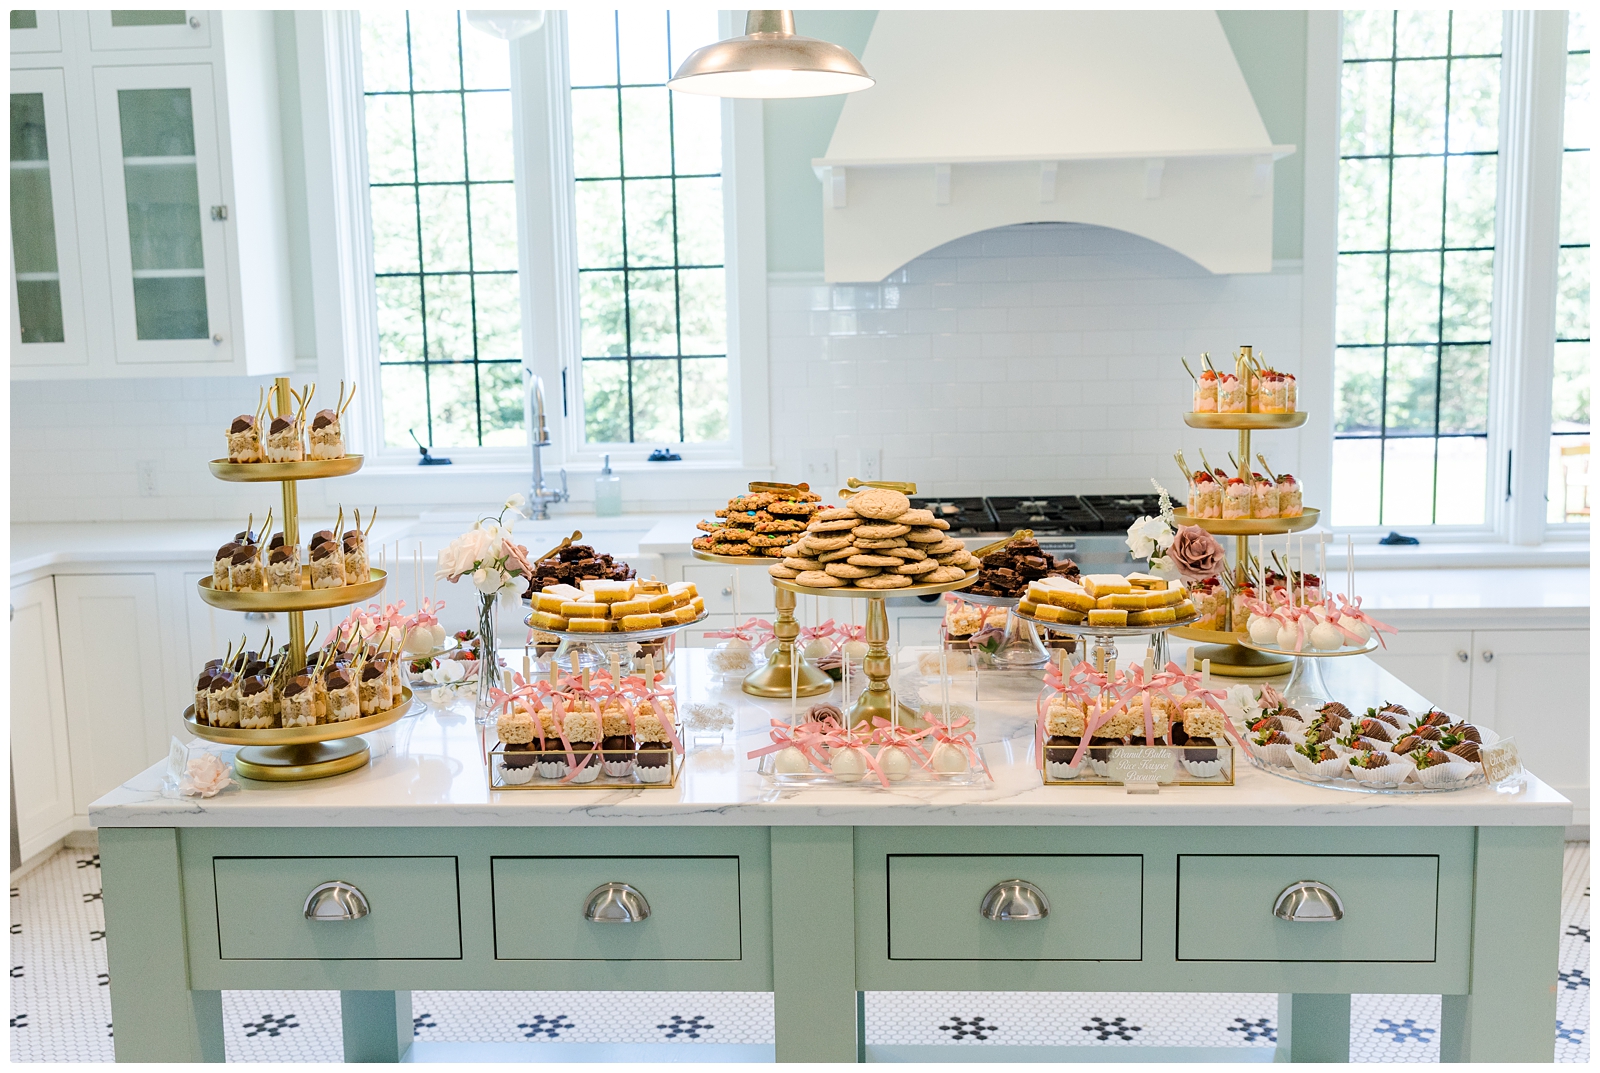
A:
[540,497]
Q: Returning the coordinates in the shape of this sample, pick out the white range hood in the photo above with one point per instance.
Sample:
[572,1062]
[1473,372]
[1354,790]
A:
[1137,120]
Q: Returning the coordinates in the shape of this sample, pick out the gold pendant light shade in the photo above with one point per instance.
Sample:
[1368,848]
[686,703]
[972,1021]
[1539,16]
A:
[771,60]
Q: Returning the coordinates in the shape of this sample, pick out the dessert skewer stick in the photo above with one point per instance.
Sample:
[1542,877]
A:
[1266,468]
[1188,370]
[344,403]
[1183,467]
[372,521]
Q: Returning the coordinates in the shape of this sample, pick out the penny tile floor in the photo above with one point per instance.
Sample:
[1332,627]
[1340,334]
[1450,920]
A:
[61,1008]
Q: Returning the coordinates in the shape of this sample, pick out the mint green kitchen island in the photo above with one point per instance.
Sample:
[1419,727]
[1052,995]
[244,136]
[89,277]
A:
[820,894]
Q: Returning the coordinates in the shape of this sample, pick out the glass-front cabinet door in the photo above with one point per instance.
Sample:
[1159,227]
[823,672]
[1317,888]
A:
[149,29]
[47,326]
[166,221]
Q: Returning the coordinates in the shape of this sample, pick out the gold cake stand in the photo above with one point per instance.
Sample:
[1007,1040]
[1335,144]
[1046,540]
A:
[788,671]
[1228,656]
[875,701]
[283,754]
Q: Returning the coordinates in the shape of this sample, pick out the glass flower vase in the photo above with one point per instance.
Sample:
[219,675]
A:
[488,659]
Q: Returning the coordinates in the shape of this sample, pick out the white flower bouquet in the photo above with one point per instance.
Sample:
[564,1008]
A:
[486,554]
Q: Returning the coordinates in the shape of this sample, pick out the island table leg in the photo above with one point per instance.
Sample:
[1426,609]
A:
[157,1018]
[1313,1028]
[1509,1012]
[377,1025]
[815,1008]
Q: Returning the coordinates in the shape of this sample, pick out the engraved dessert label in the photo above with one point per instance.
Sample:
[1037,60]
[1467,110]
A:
[1500,760]
[1134,765]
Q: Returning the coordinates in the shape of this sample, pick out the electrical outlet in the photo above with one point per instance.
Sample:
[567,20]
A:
[869,464]
[147,478]
[817,467]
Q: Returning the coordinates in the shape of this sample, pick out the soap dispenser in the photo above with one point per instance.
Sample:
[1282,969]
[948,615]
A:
[607,492]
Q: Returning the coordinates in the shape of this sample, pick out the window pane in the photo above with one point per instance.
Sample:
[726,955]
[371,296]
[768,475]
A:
[1572,294]
[1475,33]
[1364,114]
[1419,106]
[383,51]
[1569,398]
[605,329]
[650,222]
[453,393]
[449,317]
[1569,479]
[1413,297]
[439,127]
[486,61]
[1574,198]
[1358,390]
[605,401]
[1408,481]
[652,313]
[594,133]
[1363,204]
[1361,290]
[405,405]
[1463,473]
[591,48]
[444,229]
[691,30]
[705,400]
[488,120]
[646,133]
[389,139]
[1422,33]
[400,320]
[394,229]
[494,227]
[1471,182]
[1468,289]
[642,48]
[1418,221]
[1464,389]
[435,50]
[1368,34]
[1577,132]
[700,221]
[1356,481]
[1474,106]
[697,133]
[499,315]
[600,224]
[704,305]
[655,402]
[1411,392]
[500,397]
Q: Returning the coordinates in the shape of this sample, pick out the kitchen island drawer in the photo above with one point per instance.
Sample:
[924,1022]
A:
[412,908]
[1226,908]
[1095,907]
[681,909]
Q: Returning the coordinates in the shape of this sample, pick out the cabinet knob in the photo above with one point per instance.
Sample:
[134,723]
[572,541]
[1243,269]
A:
[219,212]
[1308,902]
[1462,655]
[615,903]
[728,591]
[1014,899]
[194,22]
[217,338]
[336,901]
[1488,656]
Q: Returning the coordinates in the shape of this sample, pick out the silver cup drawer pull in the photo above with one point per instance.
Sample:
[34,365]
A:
[615,903]
[1308,902]
[336,901]
[1014,899]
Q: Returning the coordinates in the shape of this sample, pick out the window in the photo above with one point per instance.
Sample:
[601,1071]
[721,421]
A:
[1419,134]
[1569,401]
[647,165]
[444,226]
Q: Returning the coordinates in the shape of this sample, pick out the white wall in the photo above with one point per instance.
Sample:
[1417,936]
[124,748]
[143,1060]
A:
[1031,359]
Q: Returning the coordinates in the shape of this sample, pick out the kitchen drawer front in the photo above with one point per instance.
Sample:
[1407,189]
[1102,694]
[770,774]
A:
[716,586]
[539,909]
[1096,908]
[414,908]
[1225,908]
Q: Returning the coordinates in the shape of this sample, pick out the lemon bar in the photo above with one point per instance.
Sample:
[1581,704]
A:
[680,589]
[1147,581]
[589,625]
[1184,609]
[1101,617]
[624,608]
[576,609]
[1027,607]
[1125,601]
[544,601]
[660,602]
[699,605]
[641,622]
[547,620]
[1072,597]
[1072,618]
[611,592]
[1163,597]
[1050,612]
[566,592]
[1098,585]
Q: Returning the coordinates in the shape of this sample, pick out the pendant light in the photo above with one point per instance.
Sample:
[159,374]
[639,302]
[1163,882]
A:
[771,60]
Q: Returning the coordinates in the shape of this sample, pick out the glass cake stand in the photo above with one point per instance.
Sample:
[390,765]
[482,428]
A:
[1305,688]
[1104,638]
[1021,646]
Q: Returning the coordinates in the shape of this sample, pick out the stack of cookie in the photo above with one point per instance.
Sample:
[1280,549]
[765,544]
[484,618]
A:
[877,542]
[759,523]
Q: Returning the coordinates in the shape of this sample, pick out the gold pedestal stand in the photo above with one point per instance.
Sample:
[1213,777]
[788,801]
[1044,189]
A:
[876,701]
[324,750]
[778,677]
[1227,655]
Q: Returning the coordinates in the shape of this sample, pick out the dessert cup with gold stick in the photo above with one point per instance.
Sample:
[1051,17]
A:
[302,752]
[876,700]
[787,671]
[1224,648]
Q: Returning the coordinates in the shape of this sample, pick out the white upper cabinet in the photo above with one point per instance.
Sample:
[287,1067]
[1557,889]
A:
[47,311]
[109,30]
[149,226]
[35,31]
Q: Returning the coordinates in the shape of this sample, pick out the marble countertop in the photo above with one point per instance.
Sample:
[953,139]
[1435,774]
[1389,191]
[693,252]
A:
[429,771]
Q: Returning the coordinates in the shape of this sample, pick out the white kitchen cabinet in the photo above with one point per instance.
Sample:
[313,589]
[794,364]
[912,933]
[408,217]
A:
[172,199]
[35,30]
[112,655]
[41,764]
[1534,685]
[1436,663]
[48,327]
[110,31]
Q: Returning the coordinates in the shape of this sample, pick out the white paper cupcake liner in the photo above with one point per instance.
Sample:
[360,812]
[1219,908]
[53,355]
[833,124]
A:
[653,774]
[1099,767]
[1206,769]
[618,768]
[1057,770]
[1390,775]
[549,769]
[587,773]
[1321,771]
[1276,755]
[515,776]
[1452,774]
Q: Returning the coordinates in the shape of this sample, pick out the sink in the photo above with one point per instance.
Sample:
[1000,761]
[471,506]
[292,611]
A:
[434,529]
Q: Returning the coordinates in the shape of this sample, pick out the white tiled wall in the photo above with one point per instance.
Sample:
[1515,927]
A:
[1037,358]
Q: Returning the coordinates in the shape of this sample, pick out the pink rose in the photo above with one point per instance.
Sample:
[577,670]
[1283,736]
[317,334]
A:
[1196,554]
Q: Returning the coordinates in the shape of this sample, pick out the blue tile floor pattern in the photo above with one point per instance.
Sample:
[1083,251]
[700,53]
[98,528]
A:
[61,1009]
